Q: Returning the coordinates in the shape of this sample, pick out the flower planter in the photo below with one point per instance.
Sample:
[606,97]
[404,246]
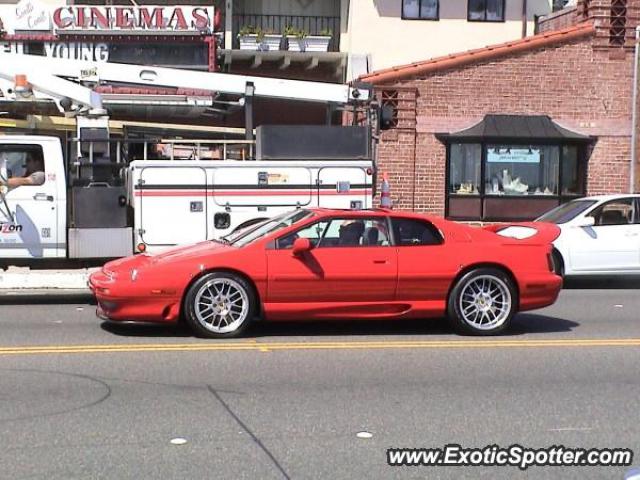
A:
[249,42]
[317,43]
[271,41]
[296,44]
[310,43]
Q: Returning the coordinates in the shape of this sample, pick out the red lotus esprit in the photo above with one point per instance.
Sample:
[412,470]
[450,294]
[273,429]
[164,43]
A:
[337,264]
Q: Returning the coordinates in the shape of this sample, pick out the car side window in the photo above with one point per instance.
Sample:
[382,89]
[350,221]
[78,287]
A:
[410,231]
[615,212]
[313,232]
[356,232]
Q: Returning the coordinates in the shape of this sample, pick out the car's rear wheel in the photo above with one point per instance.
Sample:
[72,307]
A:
[482,302]
[219,305]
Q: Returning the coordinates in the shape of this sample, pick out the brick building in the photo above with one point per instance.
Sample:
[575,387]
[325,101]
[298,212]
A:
[508,131]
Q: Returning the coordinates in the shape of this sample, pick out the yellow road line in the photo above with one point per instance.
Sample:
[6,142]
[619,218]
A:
[328,345]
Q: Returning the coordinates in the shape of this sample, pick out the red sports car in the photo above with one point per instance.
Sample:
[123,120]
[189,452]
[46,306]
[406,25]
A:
[337,264]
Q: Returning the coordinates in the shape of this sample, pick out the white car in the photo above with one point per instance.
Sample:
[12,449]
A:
[600,235]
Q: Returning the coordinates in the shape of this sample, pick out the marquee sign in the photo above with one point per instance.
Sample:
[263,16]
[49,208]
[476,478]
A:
[30,15]
[155,18]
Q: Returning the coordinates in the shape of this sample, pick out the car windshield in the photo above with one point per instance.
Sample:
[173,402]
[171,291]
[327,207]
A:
[268,227]
[567,212]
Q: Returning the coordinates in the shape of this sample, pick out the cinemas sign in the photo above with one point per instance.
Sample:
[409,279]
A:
[32,16]
[140,18]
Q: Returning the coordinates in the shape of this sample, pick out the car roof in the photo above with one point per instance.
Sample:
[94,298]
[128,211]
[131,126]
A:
[368,212]
[615,196]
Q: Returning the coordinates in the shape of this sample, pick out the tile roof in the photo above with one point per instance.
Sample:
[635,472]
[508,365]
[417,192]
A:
[455,60]
[539,127]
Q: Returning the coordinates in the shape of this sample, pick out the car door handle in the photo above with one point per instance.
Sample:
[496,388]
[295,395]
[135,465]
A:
[43,197]
[380,262]
[631,234]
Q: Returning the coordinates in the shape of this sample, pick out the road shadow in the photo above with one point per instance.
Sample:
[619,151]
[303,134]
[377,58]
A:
[600,283]
[47,299]
[523,324]
[131,329]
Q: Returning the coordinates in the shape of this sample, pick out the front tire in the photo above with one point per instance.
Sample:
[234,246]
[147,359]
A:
[219,305]
[482,302]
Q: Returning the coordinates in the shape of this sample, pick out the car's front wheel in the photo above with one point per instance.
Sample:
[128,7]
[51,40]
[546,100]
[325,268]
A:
[482,302]
[219,305]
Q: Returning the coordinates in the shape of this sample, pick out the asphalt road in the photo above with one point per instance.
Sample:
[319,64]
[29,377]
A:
[83,399]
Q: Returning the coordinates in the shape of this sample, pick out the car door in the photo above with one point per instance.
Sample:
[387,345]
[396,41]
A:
[611,244]
[28,213]
[424,269]
[352,261]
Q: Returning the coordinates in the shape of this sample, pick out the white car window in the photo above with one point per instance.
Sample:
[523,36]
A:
[615,212]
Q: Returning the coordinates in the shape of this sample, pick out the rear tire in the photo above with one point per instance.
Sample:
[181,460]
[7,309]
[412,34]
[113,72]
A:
[558,263]
[482,302]
[219,305]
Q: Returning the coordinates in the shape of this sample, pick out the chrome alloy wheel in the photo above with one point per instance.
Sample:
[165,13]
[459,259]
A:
[221,305]
[485,302]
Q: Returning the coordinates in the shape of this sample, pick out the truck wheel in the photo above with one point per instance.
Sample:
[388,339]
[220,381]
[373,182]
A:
[482,302]
[219,305]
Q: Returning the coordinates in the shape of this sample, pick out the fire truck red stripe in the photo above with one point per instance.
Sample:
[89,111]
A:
[243,193]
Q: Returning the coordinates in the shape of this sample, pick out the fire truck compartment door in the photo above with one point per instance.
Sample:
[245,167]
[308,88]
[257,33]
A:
[339,186]
[173,205]
[262,186]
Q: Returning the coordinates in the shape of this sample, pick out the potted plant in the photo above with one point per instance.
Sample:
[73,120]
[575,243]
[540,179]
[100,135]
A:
[320,42]
[271,40]
[250,37]
[296,39]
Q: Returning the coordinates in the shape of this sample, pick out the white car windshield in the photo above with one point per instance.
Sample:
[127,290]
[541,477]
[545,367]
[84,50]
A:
[567,212]
[268,227]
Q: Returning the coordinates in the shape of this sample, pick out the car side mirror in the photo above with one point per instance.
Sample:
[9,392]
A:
[586,222]
[301,245]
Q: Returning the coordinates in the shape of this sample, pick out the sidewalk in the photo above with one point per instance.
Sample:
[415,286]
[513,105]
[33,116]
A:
[17,280]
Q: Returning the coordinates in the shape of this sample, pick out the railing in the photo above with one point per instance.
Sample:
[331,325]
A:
[312,25]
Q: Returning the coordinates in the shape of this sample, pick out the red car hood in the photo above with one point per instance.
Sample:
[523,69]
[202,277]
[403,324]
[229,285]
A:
[190,251]
[170,255]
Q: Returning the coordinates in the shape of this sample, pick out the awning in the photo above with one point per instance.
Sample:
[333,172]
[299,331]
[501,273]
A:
[517,129]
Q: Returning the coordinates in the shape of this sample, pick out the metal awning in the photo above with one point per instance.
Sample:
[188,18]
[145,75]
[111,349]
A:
[515,128]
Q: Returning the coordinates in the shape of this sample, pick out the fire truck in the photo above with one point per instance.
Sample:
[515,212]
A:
[105,197]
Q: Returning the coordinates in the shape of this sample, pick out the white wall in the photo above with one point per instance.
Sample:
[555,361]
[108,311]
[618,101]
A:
[376,28]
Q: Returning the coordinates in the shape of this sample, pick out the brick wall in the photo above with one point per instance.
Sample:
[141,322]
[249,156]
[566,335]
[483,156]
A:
[580,87]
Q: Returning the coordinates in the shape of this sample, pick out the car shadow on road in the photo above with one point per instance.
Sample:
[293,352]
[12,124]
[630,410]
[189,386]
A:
[594,283]
[131,329]
[523,324]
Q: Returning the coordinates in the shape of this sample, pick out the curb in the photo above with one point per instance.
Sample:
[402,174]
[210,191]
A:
[24,279]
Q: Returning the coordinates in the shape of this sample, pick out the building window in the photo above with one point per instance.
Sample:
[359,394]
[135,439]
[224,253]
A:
[503,182]
[486,10]
[522,170]
[389,103]
[464,174]
[618,23]
[420,9]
